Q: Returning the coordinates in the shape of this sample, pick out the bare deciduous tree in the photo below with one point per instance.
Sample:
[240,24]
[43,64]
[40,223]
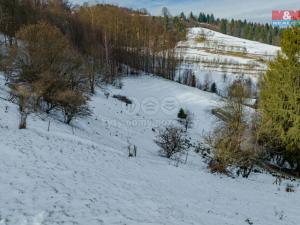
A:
[26,100]
[231,141]
[172,140]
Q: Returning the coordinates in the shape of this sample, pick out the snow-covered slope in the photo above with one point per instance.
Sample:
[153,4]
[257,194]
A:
[82,174]
[221,58]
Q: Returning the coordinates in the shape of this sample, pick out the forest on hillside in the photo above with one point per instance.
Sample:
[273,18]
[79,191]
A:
[68,51]
[264,33]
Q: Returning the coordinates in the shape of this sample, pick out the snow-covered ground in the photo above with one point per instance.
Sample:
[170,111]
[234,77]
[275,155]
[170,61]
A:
[220,58]
[82,174]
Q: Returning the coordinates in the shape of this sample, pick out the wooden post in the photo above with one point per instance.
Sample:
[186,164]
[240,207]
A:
[49,125]
[186,157]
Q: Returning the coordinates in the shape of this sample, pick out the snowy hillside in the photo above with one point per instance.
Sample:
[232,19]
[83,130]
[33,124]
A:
[222,58]
[82,174]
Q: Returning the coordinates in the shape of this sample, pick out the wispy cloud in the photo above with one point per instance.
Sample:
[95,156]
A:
[254,10]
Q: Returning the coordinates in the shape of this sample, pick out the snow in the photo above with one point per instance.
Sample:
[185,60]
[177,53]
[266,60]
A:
[82,174]
[218,41]
[221,55]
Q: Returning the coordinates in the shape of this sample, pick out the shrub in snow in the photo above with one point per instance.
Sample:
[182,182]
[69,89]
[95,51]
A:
[289,188]
[118,83]
[203,150]
[232,141]
[73,105]
[106,94]
[124,99]
[185,118]
[172,140]
[181,114]
[217,167]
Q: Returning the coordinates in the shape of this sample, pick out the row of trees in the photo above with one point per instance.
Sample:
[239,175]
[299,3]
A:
[139,41]
[248,30]
[47,73]
[273,136]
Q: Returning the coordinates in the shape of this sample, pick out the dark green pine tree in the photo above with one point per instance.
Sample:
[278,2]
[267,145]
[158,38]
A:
[183,17]
[181,114]
[213,88]
[280,101]
[192,17]
[223,26]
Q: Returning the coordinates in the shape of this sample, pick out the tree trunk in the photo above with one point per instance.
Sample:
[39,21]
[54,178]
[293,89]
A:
[298,168]
[23,119]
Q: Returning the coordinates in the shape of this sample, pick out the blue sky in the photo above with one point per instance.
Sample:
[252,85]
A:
[254,10]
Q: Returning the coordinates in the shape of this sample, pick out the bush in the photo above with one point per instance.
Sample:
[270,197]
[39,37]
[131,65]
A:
[289,188]
[185,118]
[181,114]
[172,140]
[201,38]
[232,141]
[217,167]
[228,153]
[73,105]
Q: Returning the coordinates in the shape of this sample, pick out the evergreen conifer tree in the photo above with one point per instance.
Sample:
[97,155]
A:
[181,114]
[280,101]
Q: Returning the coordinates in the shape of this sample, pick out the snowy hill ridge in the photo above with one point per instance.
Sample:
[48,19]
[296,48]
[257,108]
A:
[81,174]
[221,58]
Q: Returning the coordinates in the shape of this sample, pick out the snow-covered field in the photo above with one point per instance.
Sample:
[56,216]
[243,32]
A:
[220,58]
[82,174]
